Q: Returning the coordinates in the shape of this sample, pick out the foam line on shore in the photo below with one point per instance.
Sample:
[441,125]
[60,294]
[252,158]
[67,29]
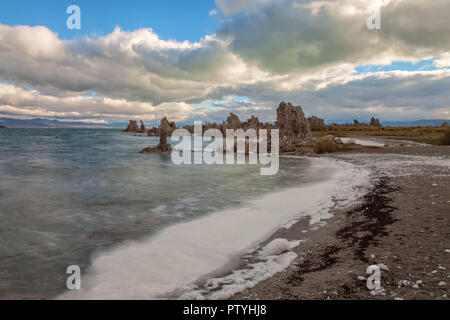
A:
[180,254]
[363,142]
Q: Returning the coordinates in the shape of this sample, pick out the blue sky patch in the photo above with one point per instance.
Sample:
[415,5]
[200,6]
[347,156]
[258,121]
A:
[170,19]
[423,65]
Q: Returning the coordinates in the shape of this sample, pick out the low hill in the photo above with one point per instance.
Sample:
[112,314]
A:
[45,123]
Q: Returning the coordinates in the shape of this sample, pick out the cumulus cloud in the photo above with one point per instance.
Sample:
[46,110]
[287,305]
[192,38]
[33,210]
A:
[388,95]
[443,61]
[290,36]
[133,65]
[342,96]
[18,101]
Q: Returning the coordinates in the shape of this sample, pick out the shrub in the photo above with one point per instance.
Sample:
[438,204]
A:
[325,146]
[446,138]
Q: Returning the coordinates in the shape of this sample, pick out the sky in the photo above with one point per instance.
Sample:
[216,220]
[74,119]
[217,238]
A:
[201,60]
[171,19]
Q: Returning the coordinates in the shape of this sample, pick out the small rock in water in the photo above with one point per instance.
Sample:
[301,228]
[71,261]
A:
[442,283]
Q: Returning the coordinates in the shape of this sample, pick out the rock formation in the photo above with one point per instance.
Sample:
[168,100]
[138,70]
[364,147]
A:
[357,123]
[253,122]
[291,121]
[171,126]
[286,144]
[294,131]
[133,127]
[189,128]
[165,129]
[209,126]
[223,127]
[143,128]
[293,126]
[316,124]
[233,122]
[375,122]
[153,132]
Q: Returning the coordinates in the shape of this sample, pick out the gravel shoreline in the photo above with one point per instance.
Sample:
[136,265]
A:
[403,223]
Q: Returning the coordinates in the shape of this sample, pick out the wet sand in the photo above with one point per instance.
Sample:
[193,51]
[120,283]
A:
[402,222]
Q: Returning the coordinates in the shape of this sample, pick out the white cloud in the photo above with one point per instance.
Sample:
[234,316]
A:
[16,100]
[292,36]
[443,61]
[133,65]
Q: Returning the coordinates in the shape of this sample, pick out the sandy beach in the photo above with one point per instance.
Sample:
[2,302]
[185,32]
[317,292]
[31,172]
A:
[402,222]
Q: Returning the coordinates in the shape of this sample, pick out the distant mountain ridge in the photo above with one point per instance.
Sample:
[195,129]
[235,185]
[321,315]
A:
[410,123]
[416,123]
[45,123]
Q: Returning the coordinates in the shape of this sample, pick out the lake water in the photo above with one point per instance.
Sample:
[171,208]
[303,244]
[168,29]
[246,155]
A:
[69,195]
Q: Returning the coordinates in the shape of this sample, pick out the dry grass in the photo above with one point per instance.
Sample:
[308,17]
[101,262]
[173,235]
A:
[446,138]
[325,146]
[346,130]
[429,135]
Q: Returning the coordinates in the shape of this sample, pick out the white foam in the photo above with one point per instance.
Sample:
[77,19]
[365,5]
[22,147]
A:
[396,165]
[275,257]
[363,142]
[180,254]
[276,247]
